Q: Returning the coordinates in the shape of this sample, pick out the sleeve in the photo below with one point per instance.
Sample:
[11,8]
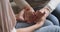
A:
[53,4]
[21,3]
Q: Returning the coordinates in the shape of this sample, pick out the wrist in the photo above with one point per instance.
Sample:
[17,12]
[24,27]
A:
[29,8]
[47,9]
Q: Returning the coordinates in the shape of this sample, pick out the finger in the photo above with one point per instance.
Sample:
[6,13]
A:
[42,10]
[38,16]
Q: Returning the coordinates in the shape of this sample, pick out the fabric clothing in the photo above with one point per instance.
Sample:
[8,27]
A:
[49,29]
[56,12]
[21,3]
[23,24]
[53,4]
[39,4]
[53,19]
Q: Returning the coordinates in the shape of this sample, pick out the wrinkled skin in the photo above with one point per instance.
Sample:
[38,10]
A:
[31,17]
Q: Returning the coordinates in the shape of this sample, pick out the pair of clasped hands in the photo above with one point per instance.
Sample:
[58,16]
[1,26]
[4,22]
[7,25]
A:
[30,16]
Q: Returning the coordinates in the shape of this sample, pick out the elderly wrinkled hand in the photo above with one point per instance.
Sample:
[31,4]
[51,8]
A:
[32,17]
